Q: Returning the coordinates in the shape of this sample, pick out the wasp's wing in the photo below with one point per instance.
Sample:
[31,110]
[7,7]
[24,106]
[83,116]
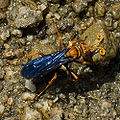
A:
[45,64]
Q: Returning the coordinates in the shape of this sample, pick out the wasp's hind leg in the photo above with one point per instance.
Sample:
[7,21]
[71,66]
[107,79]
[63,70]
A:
[30,55]
[50,82]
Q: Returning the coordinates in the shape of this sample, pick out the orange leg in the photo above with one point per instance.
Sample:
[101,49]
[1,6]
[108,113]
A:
[40,53]
[72,73]
[84,48]
[51,81]
[72,43]
[75,76]
[60,38]
[86,63]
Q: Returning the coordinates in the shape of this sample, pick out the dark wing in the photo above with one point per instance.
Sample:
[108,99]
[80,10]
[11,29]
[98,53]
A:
[45,64]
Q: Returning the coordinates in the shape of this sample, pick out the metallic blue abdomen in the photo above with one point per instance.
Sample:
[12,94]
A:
[45,64]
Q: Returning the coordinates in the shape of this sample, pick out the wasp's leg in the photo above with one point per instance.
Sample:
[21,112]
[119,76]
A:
[86,63]
[60,38]
[51,81]
[40,53]
[84,48]
[72,43]
[72,73]
[75,76]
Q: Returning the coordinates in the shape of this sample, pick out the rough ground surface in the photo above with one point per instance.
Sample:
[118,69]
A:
[26,26]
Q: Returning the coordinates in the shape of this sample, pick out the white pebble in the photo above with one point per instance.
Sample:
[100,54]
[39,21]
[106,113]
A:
[29,85]
[28,96]
[2,109]
[57,16]
[17,33]
[10,101]
[30,114]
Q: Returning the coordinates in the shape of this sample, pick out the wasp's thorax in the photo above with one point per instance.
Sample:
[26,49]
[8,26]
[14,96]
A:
[74,52]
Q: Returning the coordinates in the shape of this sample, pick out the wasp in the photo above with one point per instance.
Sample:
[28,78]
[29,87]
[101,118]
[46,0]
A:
[50,62]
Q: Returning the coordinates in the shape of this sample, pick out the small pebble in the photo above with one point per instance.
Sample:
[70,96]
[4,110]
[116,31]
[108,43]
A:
[29,38]
[5,33]
[2,109]
[117,35]
[79,5]
[4,98]
[4,3]
[43,105]
[10,101]
[2,72]
[2,15]
[28,96]
[83,26]
[116,11]
[57,16]
[11,76]
[29,85]
[42,7]
[105,105]
[30,114]
[17,33]
[1,85]
[100,9]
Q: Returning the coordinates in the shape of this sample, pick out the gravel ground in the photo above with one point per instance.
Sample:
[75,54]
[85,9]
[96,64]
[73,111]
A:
[26,26]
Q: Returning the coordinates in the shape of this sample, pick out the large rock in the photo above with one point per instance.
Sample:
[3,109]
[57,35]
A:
[109,43]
